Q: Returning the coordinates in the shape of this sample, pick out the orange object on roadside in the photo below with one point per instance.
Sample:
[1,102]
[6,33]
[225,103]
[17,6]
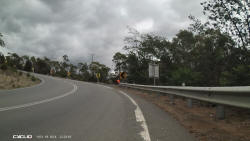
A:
[118,81]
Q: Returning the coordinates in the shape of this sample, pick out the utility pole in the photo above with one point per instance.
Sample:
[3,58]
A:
[92,58]
[154,73]
[91,64]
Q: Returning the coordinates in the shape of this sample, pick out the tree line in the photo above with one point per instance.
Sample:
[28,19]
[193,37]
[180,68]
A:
[214,53]
[82,71]
[64,68]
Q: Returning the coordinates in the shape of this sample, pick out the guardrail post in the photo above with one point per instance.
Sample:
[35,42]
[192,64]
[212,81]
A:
[189,103]
[220,112]
[171,99]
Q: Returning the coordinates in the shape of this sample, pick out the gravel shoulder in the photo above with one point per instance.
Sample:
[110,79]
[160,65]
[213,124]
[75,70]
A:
[200,119]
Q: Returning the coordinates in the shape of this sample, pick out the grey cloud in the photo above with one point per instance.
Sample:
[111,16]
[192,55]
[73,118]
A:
[185,8]
[81,28]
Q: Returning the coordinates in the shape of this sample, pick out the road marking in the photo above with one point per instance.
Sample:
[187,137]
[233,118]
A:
[105,86]
[139,118]
[39,102]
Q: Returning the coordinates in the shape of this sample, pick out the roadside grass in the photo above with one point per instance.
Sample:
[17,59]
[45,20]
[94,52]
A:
[11,79]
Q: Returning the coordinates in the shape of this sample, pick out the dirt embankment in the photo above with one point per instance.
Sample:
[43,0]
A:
[200,119]
[11,79]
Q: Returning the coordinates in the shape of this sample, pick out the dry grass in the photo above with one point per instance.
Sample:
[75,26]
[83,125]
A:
[200,119]
[11,80]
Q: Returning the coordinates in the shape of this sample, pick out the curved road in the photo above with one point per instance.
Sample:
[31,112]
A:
[61,109]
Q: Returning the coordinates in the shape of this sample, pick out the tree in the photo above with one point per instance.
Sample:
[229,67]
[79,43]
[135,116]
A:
[55,65]
[200,56]
[64,66]
[83,70]
[2,59]
[231,16]
[239,75]
[96,67]
[120,62]
[28,66]
[212,56]
[42,66]
[65,58]
[83,67]
[182,46]
[184,75]
[2,44]
[197,27]
[15,61]
[142,48]
[134,75]
[72,70]
[65,63]
[235,57]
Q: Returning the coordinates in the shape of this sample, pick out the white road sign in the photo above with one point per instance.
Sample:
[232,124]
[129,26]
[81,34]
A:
[153,70]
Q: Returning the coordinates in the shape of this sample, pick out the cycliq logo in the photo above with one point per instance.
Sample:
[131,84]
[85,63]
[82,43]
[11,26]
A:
[22,136]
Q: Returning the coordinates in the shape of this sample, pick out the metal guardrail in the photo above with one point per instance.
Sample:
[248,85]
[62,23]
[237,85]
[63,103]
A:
[232,96]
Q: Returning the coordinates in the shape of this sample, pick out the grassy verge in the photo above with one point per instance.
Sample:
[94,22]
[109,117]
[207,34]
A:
[200,119]
[11,79]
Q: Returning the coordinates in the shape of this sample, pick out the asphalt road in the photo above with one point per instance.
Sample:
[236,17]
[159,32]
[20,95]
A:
[60,109]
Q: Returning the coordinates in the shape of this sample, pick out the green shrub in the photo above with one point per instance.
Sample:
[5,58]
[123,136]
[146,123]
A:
[33,78]
[4,67]
[28,74]
[20,73]
[2,59]
[12,81]
[13,69]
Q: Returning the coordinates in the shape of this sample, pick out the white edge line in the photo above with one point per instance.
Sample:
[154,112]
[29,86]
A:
[39,102]
[139,118]
[105,86]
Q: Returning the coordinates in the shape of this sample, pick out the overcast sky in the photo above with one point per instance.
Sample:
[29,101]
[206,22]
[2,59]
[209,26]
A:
[80,28]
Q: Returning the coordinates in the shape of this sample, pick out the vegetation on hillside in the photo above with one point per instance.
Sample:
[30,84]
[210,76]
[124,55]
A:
[81,71]
[10,79]
[215,53]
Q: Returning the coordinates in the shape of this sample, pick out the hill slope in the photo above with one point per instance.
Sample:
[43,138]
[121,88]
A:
[11,79]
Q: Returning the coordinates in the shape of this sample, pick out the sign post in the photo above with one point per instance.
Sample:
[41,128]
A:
[68,73]
[153,71]
[98,76]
